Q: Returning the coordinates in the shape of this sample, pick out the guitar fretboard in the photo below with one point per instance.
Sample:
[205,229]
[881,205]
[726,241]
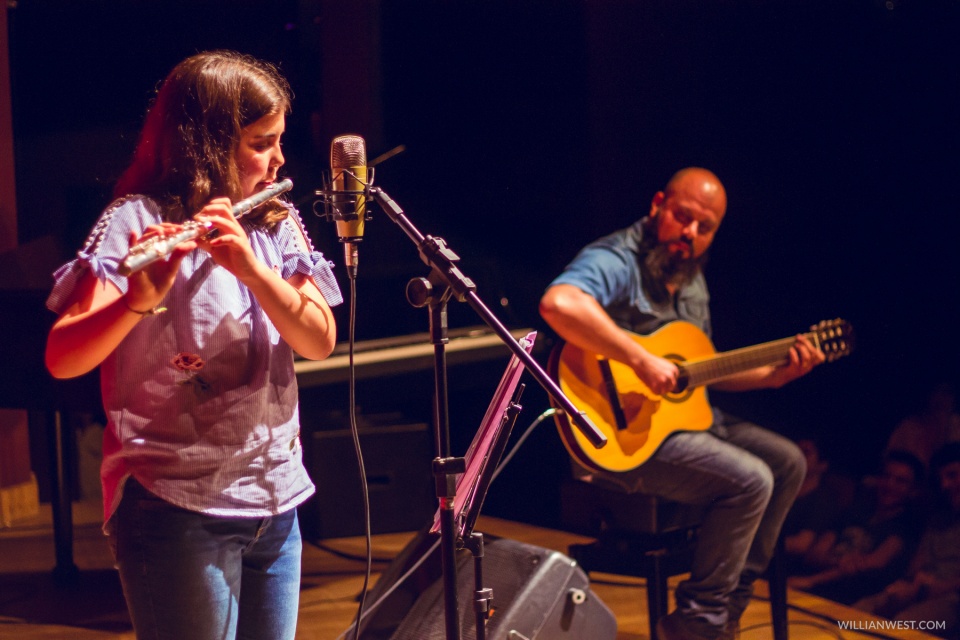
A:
[729,363]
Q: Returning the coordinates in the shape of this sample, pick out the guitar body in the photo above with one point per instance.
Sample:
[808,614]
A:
[634,419]
[647,419]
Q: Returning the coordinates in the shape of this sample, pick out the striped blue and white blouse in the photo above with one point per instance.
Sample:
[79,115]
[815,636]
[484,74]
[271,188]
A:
[201,401]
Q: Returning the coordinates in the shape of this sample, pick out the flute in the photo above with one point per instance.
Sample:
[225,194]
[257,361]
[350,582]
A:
[157,248]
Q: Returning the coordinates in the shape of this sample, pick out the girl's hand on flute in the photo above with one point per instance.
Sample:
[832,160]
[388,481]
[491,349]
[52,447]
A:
[148,286]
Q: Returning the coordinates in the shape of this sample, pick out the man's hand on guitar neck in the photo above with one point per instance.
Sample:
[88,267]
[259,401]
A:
[801,360]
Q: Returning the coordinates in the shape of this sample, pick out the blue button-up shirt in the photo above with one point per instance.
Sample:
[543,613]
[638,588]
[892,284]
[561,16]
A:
[609,270]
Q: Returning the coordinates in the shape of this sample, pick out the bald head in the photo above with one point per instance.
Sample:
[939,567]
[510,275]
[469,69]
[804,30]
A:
[688,211]
[700,184]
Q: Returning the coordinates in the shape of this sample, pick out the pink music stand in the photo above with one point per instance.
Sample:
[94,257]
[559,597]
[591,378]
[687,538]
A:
[488,444]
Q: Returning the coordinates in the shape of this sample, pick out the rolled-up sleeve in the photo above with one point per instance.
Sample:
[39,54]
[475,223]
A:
[600,271]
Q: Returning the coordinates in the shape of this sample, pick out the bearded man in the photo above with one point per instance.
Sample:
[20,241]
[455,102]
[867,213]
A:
[746,477]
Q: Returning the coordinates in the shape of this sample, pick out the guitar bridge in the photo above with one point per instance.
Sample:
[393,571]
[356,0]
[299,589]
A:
[613,394]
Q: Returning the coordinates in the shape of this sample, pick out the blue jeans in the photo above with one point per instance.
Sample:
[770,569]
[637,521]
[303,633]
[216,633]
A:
[190,576]
[747,478]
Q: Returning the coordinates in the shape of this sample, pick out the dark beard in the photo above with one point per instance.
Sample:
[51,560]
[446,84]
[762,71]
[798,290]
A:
[660,268]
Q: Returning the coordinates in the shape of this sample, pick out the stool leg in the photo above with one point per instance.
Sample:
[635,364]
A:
[778,593]
[656,590]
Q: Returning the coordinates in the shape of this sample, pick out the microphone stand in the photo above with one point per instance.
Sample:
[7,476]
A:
[446,281]
[424,292]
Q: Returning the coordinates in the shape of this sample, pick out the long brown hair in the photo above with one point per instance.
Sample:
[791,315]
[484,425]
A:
[185,155]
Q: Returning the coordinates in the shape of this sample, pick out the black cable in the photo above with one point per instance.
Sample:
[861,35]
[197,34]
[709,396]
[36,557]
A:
[618,583]
[355,432]
[396,585]
[343,554]
[516,447]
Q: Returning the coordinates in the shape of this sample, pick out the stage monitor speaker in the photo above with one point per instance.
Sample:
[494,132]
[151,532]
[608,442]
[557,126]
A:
[397,463]
[538,594]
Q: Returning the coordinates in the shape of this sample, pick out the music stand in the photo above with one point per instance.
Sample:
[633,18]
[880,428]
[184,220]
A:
[486,448]
[482,458]
[480,466]
[481,461]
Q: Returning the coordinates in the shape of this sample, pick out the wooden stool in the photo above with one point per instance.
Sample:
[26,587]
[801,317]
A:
[642,535]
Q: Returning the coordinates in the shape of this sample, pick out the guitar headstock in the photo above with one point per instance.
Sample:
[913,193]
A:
[835,338]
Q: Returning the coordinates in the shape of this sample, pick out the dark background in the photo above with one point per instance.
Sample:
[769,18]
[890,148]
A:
[531,127]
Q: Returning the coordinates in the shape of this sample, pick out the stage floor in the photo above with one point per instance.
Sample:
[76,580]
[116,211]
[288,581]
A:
[34,607]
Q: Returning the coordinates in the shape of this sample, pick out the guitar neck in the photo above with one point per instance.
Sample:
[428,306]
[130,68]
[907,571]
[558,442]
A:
[729,363]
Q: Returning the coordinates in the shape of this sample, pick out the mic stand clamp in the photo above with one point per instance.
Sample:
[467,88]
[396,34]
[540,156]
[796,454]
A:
[435,253]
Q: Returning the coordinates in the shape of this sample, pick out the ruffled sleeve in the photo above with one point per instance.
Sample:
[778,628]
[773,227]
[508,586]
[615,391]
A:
[299,256]
[105,248]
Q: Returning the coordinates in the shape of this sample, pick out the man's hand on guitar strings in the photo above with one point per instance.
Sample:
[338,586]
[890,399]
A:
[659,374]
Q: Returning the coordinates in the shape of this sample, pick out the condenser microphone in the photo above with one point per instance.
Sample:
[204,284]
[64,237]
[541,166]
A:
[348,177]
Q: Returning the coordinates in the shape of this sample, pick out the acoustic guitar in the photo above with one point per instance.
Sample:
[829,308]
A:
[635,420]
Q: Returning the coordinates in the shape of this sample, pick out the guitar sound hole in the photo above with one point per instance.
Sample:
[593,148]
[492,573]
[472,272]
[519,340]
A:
[682,383]
[678,395]
[681,391]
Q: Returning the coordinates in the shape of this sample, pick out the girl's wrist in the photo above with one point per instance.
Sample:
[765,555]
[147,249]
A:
[257,274]
[149,312]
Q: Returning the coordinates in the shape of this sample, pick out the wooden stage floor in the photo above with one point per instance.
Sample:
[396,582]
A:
[34,607]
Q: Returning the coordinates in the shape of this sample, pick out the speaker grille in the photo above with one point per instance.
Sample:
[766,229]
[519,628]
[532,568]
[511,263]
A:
[530,593]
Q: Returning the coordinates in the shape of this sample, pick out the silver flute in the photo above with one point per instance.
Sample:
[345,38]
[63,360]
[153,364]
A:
[157,248]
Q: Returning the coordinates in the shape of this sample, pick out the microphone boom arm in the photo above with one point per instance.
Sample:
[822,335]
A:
[434,252]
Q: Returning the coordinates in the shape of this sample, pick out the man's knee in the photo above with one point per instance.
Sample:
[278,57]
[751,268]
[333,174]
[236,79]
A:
[761,485]
[794,467]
